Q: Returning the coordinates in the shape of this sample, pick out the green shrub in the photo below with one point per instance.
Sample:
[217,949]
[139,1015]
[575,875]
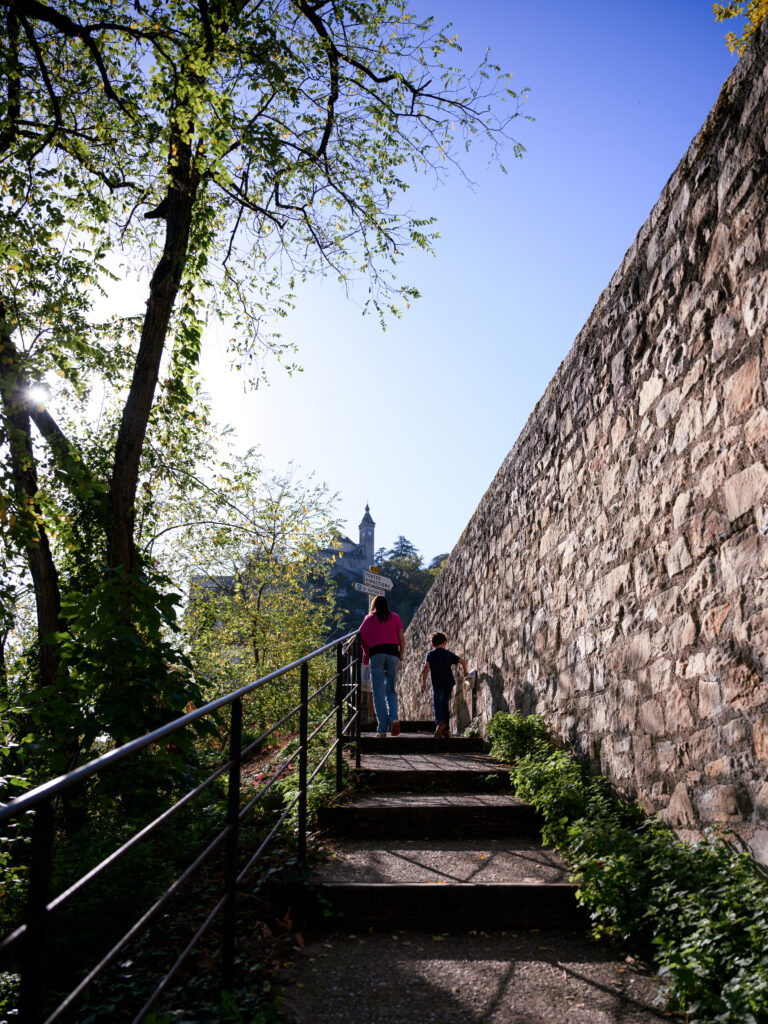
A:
[554,783]
[514,736]
[701,911]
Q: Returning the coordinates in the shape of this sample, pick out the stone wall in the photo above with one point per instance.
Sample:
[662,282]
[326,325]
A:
[615,575]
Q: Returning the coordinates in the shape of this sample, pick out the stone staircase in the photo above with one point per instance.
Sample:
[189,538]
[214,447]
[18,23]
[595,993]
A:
[435,840]
[439,905]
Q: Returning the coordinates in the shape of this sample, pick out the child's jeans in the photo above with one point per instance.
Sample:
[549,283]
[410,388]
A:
[441,702]
[384,668]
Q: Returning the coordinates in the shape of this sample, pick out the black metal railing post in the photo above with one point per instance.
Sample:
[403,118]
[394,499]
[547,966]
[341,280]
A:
[33,975]
[303,731]
[233,824]
[339,718]
[357,677]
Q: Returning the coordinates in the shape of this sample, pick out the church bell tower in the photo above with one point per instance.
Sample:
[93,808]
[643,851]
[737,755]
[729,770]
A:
[367,526]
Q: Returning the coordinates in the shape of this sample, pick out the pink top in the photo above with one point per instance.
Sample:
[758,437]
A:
[373,632]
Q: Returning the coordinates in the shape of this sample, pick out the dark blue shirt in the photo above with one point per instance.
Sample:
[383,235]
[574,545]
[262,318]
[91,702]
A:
[440,662]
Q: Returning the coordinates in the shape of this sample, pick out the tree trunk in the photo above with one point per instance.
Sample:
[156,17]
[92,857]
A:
[35,540]
[163,289]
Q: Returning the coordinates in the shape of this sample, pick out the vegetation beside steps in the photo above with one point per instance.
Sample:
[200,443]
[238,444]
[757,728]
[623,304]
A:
[699,911]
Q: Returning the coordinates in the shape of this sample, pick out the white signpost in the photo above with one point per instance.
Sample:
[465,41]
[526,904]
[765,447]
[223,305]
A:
[372,579]
[364,588]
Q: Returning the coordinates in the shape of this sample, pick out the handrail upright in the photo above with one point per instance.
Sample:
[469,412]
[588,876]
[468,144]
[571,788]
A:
[303,732]
[339,717]
[357,675]
[33,975]
[233,838]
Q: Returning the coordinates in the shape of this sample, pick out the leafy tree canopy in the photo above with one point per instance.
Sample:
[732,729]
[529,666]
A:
[754,11]
[223,150]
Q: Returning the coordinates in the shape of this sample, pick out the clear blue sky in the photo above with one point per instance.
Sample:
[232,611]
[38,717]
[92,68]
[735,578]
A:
[416,421]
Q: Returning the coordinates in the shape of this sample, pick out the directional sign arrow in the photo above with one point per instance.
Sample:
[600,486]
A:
[374,580]
[365,589]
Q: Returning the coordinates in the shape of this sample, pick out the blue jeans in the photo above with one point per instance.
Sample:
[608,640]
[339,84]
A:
[384,669]
[441,702]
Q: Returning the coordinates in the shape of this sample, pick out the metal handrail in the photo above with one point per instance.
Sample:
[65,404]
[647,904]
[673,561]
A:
[55,786]
[40,801]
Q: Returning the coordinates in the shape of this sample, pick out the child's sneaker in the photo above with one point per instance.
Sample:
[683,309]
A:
[441,731]
[395,729]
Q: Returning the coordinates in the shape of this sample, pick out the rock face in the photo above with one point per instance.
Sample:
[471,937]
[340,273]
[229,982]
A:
[614,577]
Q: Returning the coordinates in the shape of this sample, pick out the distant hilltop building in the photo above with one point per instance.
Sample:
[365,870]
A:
[348,560]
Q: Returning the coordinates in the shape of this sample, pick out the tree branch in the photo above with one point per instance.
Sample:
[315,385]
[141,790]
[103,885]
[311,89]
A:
[64,24]
[13,92]
[310,13]
[43,70]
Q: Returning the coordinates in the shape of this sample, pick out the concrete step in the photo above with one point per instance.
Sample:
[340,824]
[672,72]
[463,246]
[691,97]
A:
[432,907]
[435,772]
[494,977]
[422,816]
[416,743]
[440,861]
[426,726]
[435,780]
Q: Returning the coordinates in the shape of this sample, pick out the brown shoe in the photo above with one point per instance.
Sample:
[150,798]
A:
[395,729]
[441,731]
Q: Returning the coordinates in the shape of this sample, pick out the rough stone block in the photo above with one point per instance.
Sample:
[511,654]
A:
[756,428]
[679,810]
[651,718]
[760,737]
[677,710]
[660,674]
[678,212]
[618,432]
[649,392]
[710,701]
[612,584]
[728,176]
[754,630]
[666,756]
[745,490]
[736,731]
[714,475]
[745,255]
[718,768]
[740,559]
[683,633]
[724,333]
[719,250]
[706,530]
[689,425]
[665,606]
[744,688]
[613,480]
[754,306]
[695,666]
[693,376]
[679,557]
[639,651]
[758,844]
[712,621]
[726,804]
[742,389]
[680,509]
